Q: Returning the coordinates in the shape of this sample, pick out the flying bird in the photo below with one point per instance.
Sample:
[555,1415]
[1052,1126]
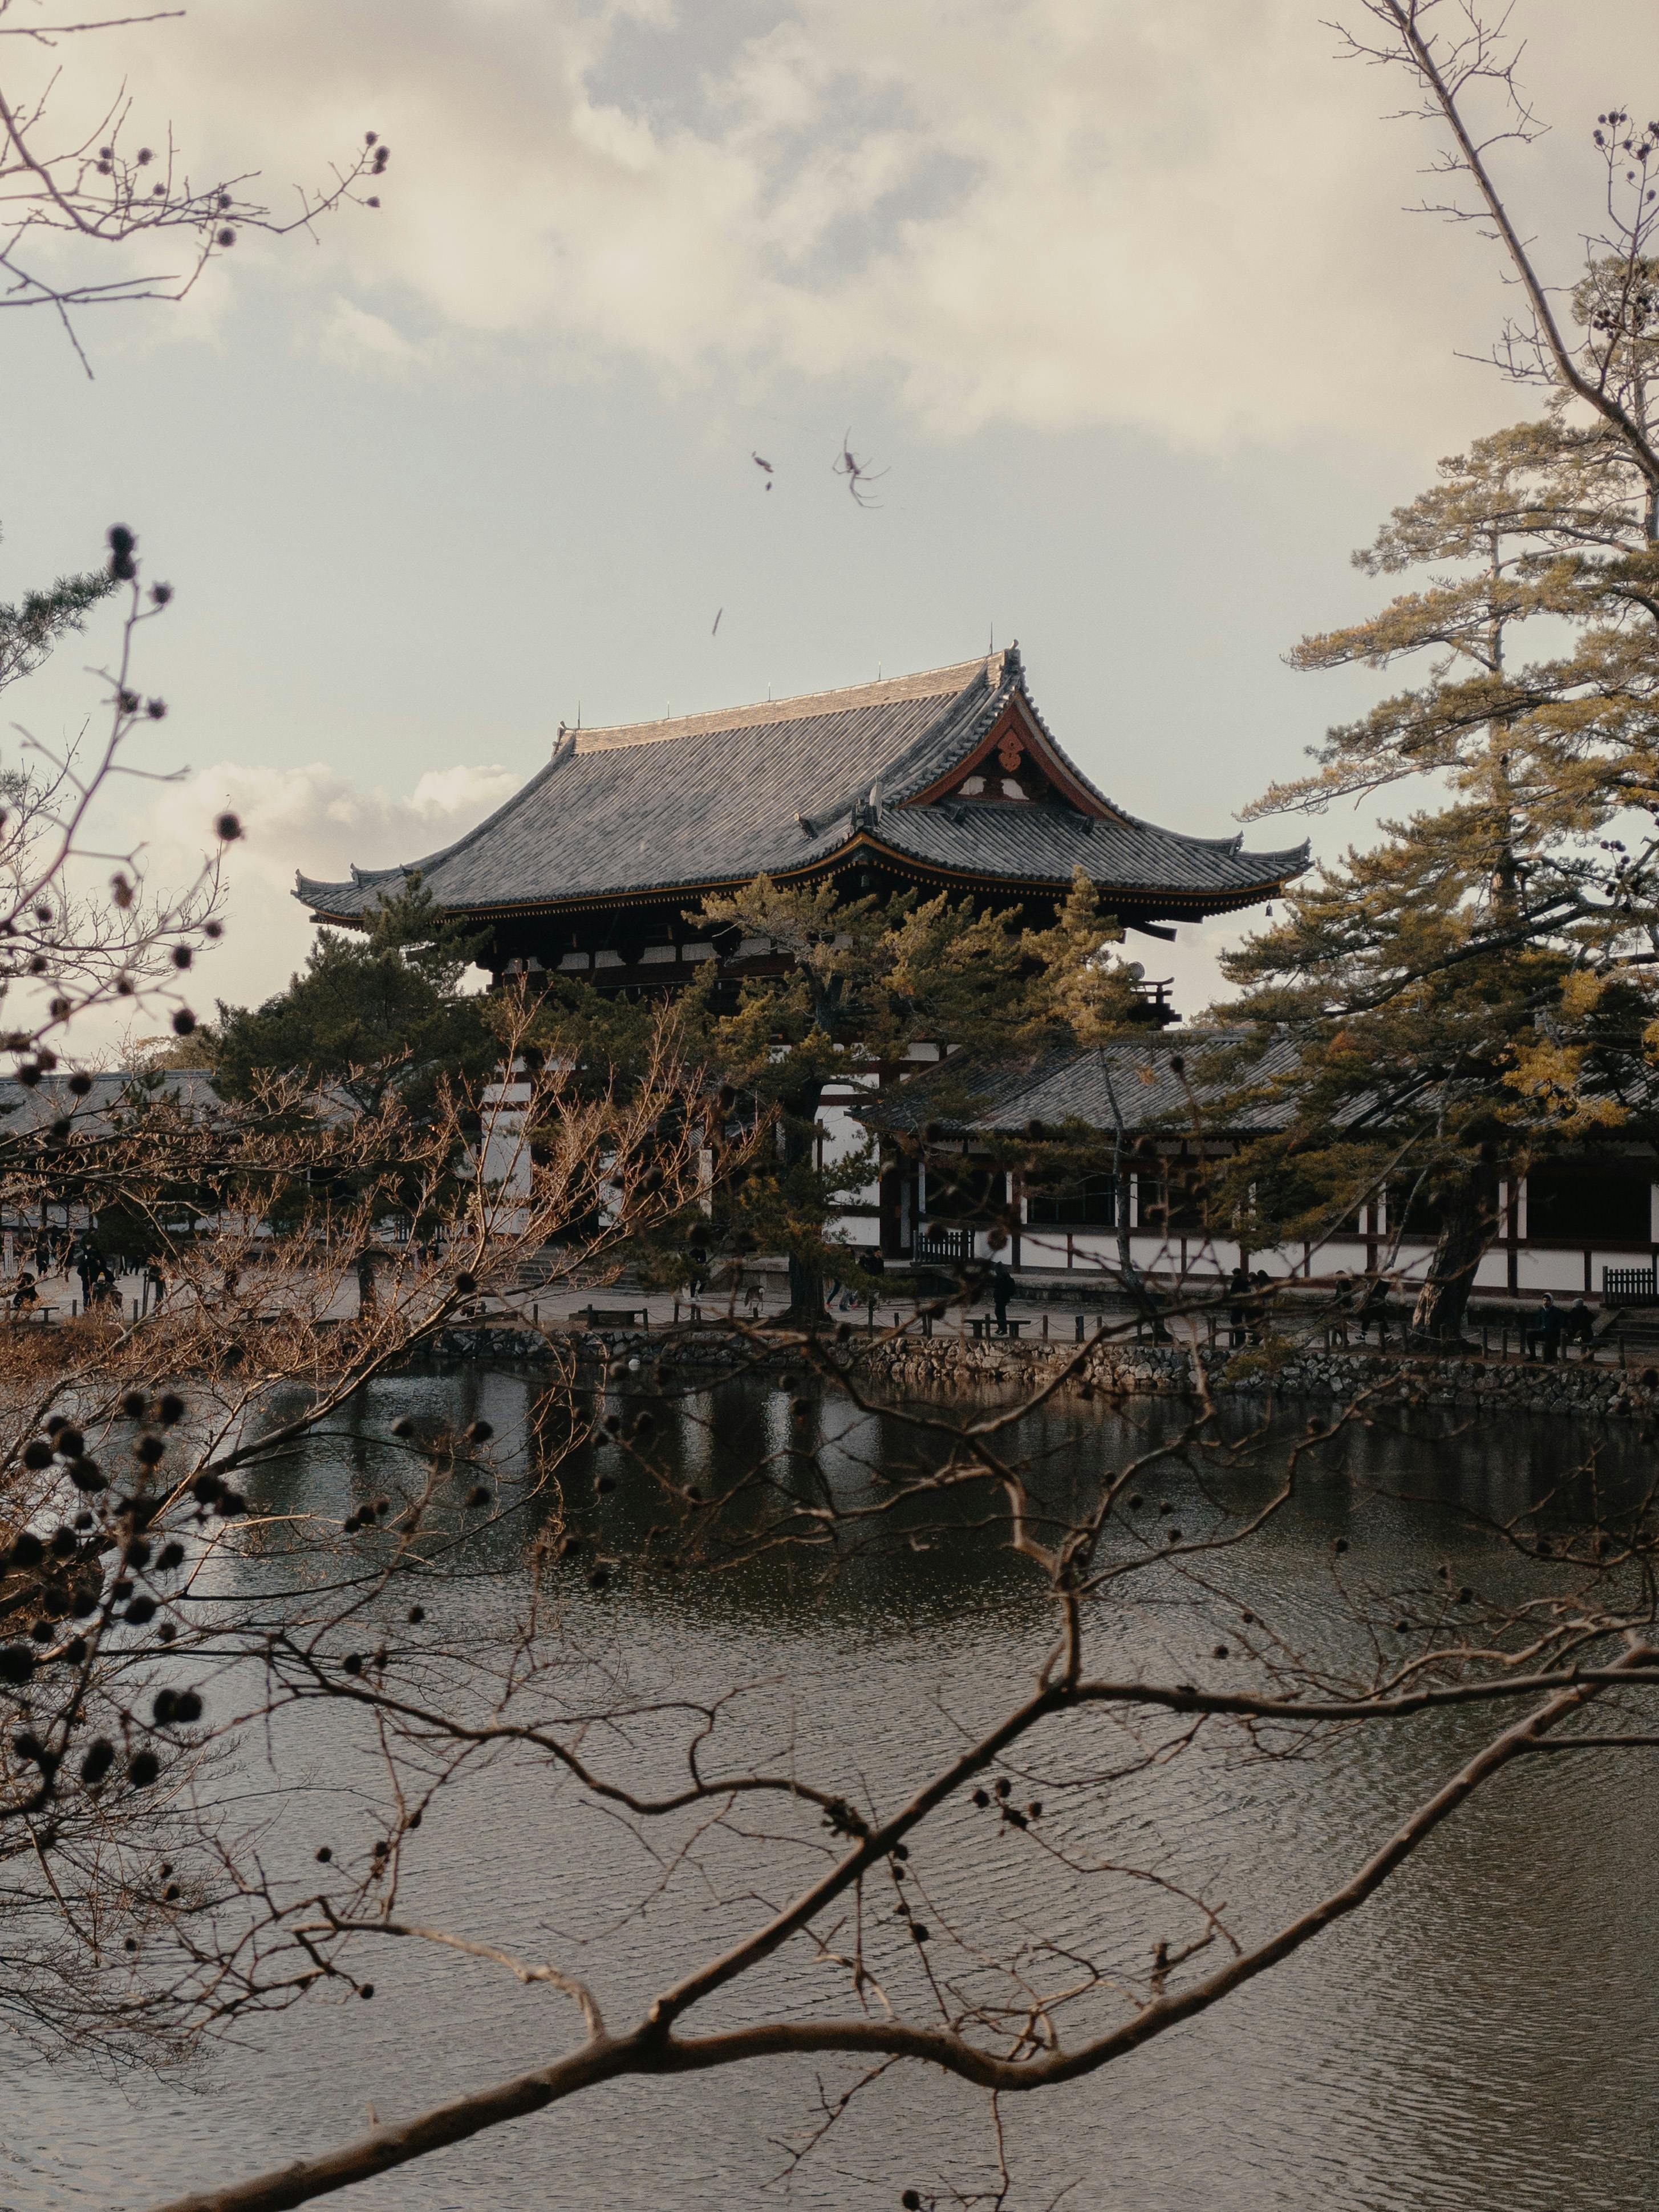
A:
[720,611]
[765,465]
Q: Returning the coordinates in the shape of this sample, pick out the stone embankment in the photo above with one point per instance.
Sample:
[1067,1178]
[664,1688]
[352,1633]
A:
[943,1363]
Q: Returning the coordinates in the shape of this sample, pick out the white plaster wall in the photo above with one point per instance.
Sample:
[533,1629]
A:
[844,1138]
[505,1166]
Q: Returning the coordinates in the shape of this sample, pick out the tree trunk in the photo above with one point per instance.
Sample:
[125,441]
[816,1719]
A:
[798,1141]
[1465,1233]
[805,1292]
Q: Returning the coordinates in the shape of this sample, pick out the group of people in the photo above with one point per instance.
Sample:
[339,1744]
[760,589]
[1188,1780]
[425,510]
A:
[100,1284]
[1553,1326]
[98,1273]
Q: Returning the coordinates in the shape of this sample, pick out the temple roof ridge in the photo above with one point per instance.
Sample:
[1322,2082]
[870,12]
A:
[789,787]
[948,682]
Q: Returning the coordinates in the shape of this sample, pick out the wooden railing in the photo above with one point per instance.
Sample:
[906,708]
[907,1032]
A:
[1630,1286]
[939,1243]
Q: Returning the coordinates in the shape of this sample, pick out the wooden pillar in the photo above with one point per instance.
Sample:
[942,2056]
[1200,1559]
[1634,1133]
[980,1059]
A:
[1512,1204]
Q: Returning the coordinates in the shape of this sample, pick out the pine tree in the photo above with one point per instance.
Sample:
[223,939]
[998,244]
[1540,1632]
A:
[1472,992]
[31,626]
[866,981]
[372,1013]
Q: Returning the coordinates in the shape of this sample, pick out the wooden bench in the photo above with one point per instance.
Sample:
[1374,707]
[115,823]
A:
[601,1317]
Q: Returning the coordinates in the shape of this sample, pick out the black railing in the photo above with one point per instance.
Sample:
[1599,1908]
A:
[1152,1001]
[945,1245]
[1630,1286]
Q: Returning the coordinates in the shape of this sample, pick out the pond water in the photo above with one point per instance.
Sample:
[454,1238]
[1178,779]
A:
[1485,2037]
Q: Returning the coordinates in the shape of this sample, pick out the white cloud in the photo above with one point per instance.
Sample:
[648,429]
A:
[352,338]
[1186,219]
[308,816]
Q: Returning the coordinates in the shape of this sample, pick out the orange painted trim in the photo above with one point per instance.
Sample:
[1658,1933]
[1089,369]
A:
[1017,717]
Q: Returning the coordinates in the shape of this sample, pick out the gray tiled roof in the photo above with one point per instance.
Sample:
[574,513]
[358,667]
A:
[25,1108]
[1136,1077]
[1045,843]
[776,787]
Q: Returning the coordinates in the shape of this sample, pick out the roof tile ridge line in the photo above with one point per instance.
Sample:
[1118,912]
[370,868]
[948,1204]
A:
[981,715]
[802,706]
[1235,844]
[422,868]
[320,884]
[894,792]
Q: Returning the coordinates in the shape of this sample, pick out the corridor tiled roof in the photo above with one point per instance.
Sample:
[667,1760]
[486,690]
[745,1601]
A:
[785,787]
[1161,1079]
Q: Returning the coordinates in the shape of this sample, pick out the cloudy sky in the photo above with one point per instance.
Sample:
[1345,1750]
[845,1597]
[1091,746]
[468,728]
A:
[1126,301]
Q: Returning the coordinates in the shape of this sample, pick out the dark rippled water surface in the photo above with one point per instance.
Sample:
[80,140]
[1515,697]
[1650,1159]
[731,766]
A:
[1485,2039]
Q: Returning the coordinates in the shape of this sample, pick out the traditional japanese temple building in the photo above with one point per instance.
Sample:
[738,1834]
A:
[949,780]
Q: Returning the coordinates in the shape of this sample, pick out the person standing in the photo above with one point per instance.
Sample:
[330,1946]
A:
[1238,1290]
[1002,1289]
